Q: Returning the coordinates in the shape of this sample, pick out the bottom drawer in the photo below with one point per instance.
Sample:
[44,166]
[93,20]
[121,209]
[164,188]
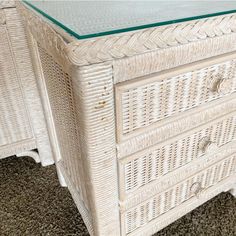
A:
[195,186]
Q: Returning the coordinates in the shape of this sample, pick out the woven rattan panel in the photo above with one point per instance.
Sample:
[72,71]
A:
[157,161]
[146,101]
[14,121]
[169,199]
[59,89]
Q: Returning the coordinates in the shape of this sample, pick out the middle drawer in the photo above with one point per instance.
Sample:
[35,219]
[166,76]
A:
[150,164]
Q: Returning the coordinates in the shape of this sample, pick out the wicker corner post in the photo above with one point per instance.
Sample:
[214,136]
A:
[80,104]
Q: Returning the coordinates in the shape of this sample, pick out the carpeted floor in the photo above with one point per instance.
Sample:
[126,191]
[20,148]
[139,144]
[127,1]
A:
[33,204]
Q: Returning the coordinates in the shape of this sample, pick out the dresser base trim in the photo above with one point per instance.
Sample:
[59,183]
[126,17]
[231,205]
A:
[19,147]
[32,154]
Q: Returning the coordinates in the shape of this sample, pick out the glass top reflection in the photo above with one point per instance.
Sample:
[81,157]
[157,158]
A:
[87,19]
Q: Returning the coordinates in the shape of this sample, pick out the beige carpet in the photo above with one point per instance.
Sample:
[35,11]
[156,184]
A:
[33,204]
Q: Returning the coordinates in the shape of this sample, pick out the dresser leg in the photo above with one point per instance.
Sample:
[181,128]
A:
[61,178]
[32,154]
[233,191]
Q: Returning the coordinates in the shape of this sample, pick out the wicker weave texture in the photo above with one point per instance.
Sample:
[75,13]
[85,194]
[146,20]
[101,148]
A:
[143,103]
[22,123]
[176,125]
[93,87]
[159,160]
[28,86]
[85,148]
[61,99]
[14,120]
[169,124]
[191,187]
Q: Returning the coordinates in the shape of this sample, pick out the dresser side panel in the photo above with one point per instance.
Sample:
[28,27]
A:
[26,76]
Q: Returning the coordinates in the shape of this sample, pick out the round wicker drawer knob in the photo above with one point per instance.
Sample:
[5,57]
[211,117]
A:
[206,145]
[223,86]
[196,189]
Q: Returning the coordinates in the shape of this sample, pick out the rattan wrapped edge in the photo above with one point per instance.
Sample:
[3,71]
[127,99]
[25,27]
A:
[101,49]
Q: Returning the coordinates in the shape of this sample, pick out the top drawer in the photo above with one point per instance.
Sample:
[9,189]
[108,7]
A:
[143,102]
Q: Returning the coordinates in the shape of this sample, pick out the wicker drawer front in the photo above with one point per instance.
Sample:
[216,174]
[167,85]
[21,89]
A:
[148,100]
[147,166]
[195,186]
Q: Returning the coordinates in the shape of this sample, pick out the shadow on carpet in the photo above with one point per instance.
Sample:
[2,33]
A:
[32,203]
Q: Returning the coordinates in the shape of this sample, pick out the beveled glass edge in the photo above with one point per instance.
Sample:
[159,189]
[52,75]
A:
[105,33]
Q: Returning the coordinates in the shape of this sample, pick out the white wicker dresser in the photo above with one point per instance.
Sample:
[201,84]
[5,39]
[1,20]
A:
[22,122]
[143,120]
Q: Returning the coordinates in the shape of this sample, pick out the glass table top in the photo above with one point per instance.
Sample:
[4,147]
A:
[87,19]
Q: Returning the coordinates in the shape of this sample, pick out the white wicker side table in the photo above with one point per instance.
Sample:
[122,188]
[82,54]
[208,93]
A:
[142,108]
[22,123]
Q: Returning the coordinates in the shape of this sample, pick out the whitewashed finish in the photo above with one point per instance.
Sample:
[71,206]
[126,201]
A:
[88,72]
[23,126]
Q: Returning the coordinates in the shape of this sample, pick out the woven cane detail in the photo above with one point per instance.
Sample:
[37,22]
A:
[143,105]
